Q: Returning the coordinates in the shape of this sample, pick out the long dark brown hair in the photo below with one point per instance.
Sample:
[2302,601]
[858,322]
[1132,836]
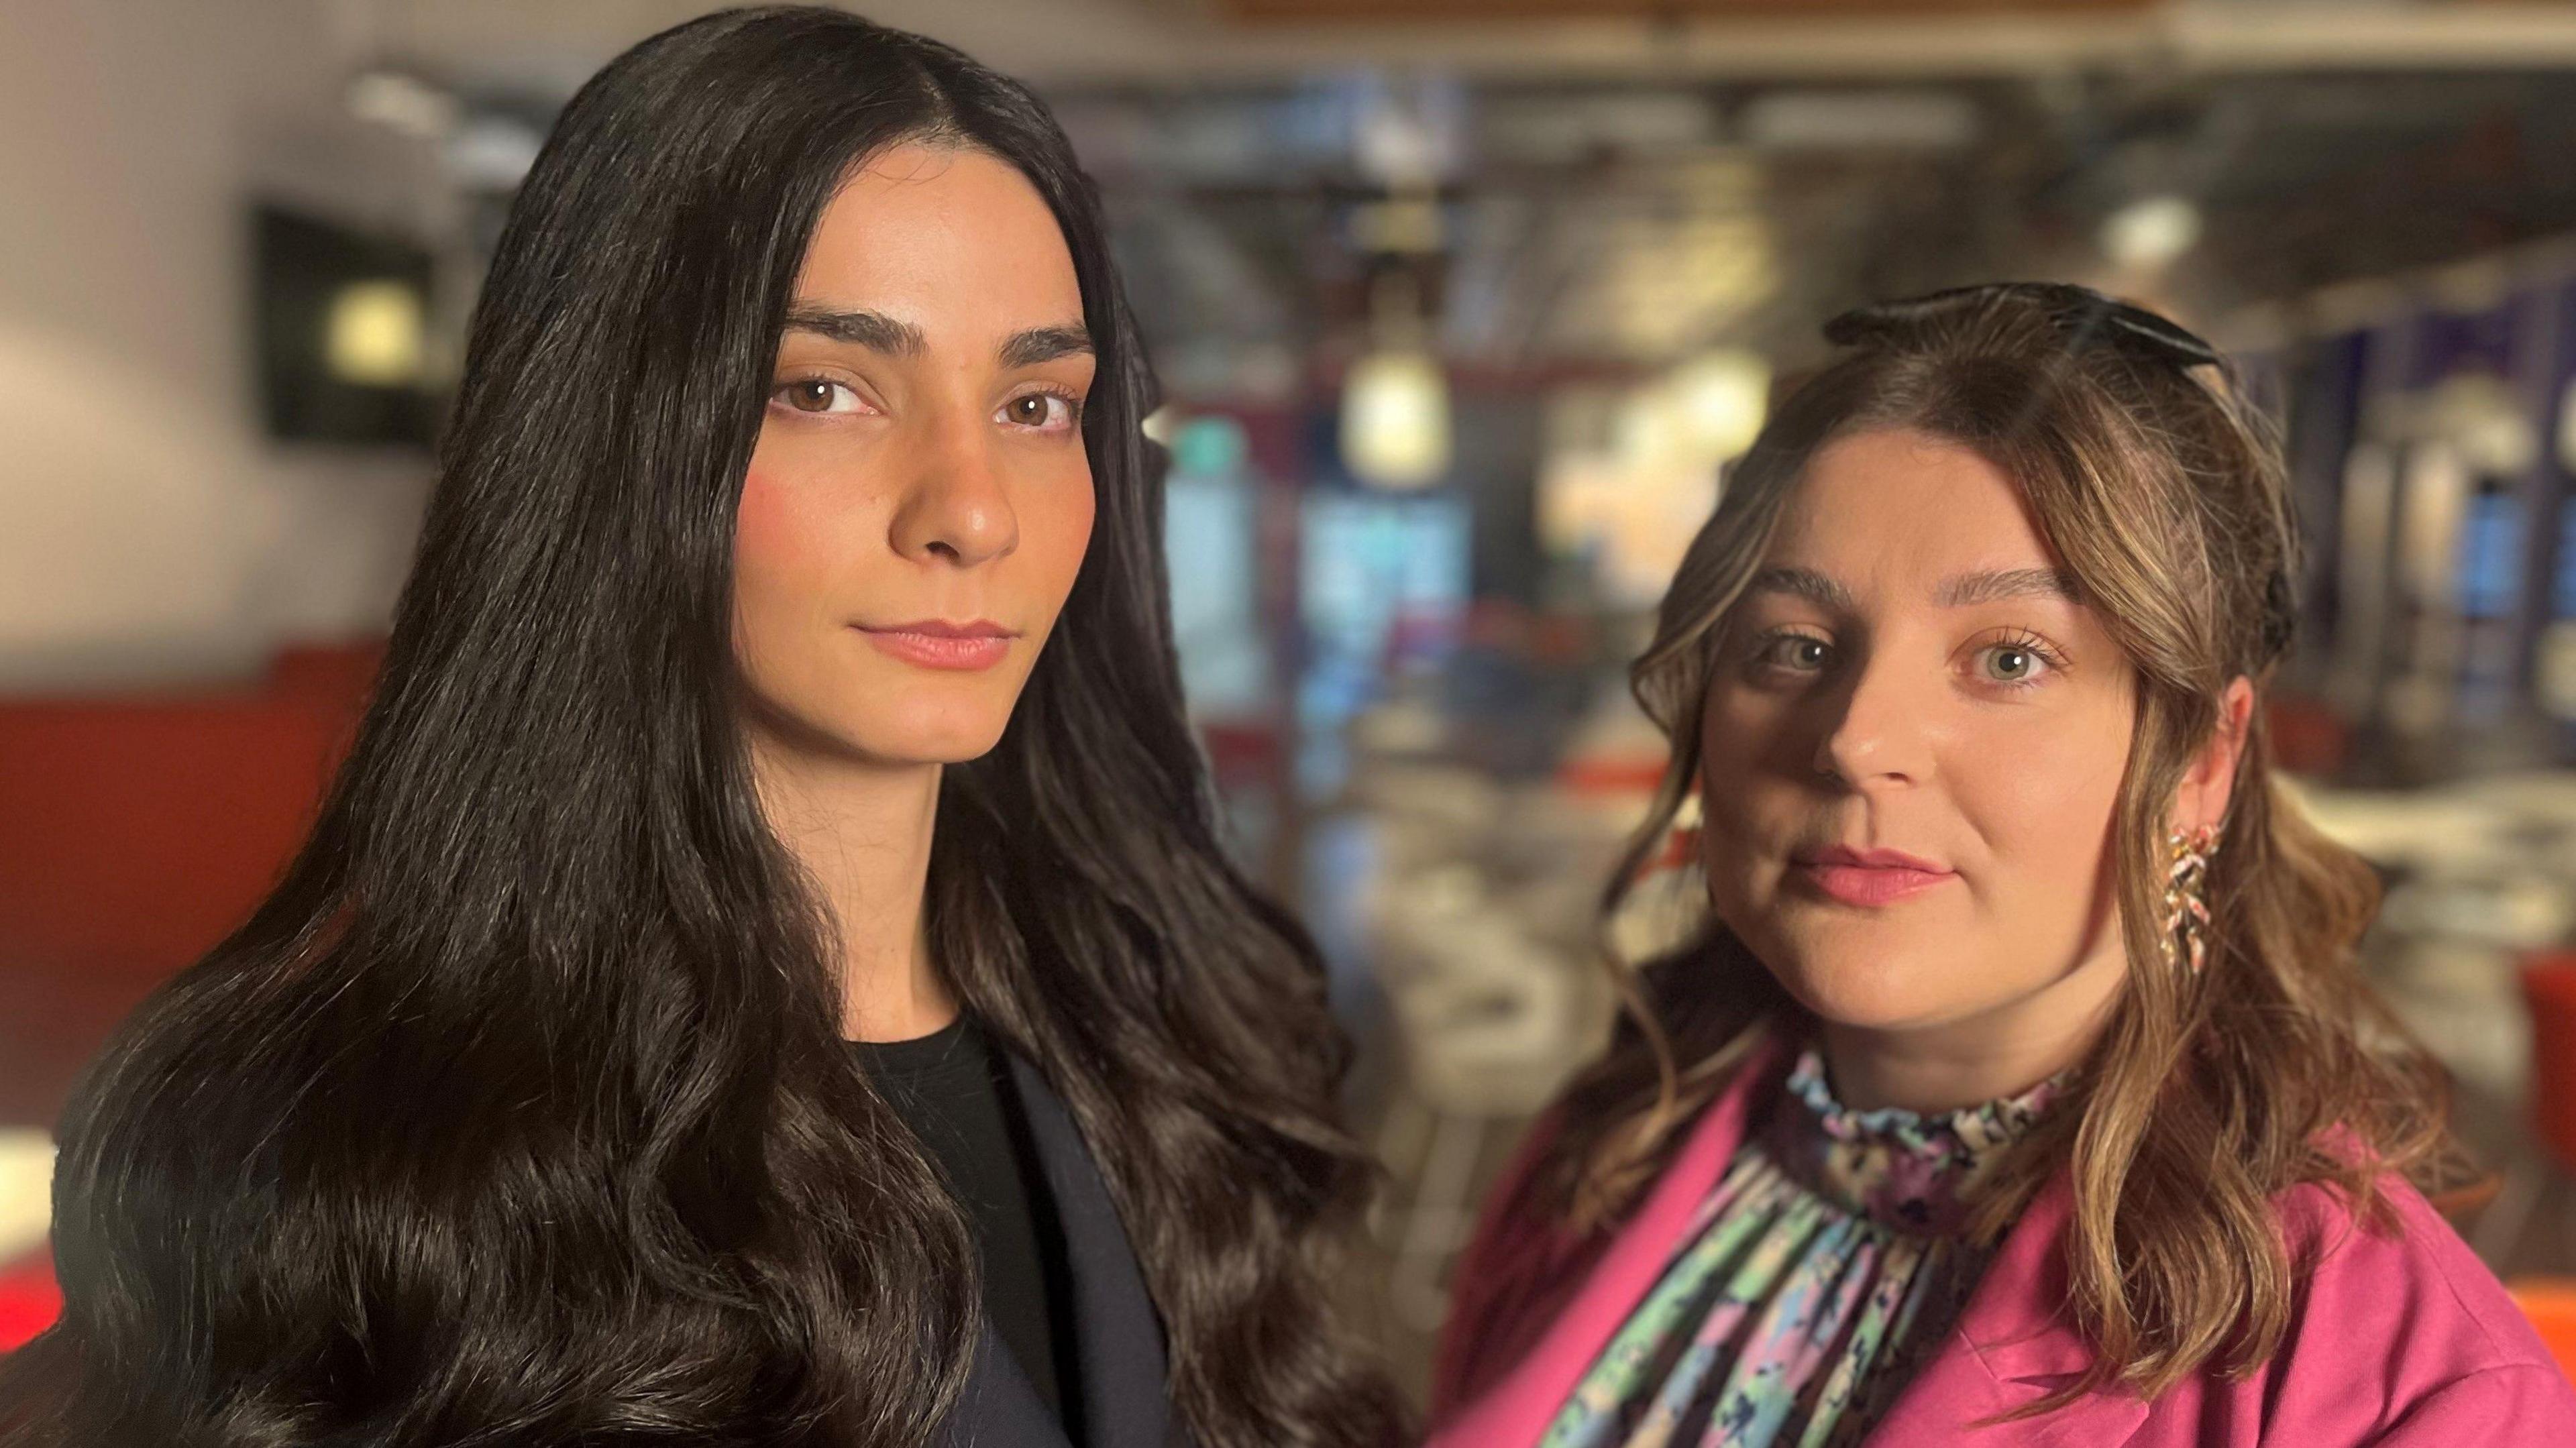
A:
[2206,1094]
[519,1113]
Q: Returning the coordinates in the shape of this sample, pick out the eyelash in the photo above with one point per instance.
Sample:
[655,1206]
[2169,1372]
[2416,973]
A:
[2024,642]
[1072,403]
[2018,641]
[1072,407]
[778,394]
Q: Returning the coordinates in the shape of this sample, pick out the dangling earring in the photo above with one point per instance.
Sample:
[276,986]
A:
[1681,840]
[2185,940]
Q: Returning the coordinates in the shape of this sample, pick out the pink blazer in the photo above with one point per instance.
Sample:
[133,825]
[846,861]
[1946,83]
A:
[2403,1339]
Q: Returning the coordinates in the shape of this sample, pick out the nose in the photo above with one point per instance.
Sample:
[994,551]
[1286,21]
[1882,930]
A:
[955,508]
[1880,735]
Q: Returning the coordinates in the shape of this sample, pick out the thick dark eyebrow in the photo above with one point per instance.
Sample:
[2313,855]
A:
[1045,344]
[873,330]
[1966,590]
[880,333]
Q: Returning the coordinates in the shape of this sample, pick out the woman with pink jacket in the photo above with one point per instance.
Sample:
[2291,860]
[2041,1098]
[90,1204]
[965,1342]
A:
[2019,1086]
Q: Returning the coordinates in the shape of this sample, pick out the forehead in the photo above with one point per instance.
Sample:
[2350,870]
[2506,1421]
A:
[1906,501]
[948,238]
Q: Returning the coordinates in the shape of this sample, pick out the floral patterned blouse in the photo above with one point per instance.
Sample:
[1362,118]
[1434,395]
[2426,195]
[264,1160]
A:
[1806,1290]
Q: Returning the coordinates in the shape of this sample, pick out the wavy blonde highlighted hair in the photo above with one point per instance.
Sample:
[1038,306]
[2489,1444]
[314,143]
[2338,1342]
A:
[2164,496]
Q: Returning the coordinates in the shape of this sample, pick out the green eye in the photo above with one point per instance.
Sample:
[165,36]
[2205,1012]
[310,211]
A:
[2016,664]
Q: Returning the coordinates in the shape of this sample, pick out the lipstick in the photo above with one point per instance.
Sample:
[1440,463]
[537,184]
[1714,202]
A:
[1866,878]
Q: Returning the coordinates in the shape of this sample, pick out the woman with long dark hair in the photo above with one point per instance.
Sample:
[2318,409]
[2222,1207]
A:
[765,973]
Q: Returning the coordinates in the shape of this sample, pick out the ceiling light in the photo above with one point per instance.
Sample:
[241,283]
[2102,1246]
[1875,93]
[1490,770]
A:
[2151,232]
[1720,398]
[405,103]
[374,335]
[1395,420]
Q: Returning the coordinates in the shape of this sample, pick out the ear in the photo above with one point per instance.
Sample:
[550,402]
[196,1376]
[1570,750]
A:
[2210,781]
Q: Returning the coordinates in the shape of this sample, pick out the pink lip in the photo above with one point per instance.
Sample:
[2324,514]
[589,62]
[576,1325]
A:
[939,644]
[1867,877]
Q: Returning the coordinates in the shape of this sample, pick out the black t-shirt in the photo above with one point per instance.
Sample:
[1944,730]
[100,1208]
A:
[955,1092]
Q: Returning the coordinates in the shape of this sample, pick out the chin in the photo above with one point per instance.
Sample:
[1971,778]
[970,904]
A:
[910,736]
[1869,979]
[923,717]
[1866,998]
[945,743]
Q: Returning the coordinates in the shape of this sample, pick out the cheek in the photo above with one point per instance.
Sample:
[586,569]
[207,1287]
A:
[1743,742]
[770,534]
[1055,529]
[2042,805]
[1736,795]
[781,558]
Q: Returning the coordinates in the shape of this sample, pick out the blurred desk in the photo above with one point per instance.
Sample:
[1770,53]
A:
[2479,873]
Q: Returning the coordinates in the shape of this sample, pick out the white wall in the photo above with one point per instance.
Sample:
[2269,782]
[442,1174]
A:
[148,534]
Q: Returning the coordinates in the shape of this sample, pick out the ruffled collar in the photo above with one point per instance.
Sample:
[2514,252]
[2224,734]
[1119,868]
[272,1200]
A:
[1913,1173]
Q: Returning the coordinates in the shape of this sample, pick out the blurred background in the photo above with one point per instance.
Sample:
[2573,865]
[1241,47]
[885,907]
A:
[1462,306]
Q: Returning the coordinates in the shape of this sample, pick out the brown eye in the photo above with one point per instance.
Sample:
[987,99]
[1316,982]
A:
[816,395]
[1039,411]
[1036,410]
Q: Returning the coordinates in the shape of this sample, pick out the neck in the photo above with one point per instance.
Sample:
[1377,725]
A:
[1996,1053]
[862,830]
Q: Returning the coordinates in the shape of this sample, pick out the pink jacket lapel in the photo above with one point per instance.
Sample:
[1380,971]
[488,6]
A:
[1519,1407]
[2011,1347]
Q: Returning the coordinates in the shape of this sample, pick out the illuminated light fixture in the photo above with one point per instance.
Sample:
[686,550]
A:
[1648,432]
[374,335]
[26,1190]
[401,102]
[1159,424]
[2478,416]
[1719,399]
[1395,420]
[2151,232]
[491,153]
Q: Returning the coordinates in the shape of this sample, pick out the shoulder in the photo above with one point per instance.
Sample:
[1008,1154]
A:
[2398,1319]
[1525,1262]
[2411,1269]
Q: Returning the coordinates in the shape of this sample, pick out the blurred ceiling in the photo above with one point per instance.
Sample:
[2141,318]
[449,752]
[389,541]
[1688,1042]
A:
[1472,11]
[553,45]
[1606,184]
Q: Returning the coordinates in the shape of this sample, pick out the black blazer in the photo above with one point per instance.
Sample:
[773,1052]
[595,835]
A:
[1126,1402]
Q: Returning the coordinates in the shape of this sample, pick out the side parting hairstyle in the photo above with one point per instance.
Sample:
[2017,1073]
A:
[519,1113]
[2207,1094]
